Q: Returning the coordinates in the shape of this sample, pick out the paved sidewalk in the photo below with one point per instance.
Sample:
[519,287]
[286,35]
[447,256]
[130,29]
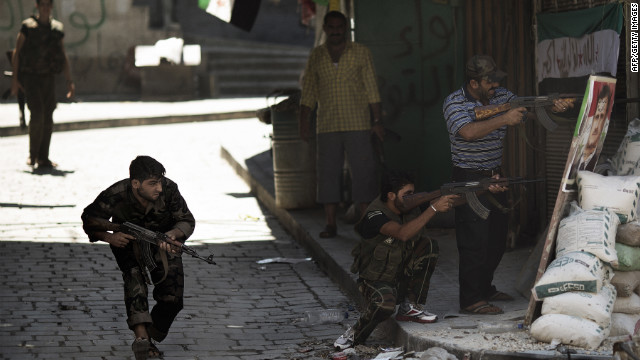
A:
[92,115]
[252,160]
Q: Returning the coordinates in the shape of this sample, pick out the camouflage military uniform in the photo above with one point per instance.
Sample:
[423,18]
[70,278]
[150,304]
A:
[169,211]
[390,270]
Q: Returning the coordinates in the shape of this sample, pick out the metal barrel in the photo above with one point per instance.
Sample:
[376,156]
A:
[294,160]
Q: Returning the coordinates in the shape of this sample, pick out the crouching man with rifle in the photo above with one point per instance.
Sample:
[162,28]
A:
[150,201]
[395,258]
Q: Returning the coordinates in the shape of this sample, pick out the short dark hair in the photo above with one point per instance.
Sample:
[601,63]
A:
[336,15]
[605,93]
[38,2]
[145,167]
[476,78]
[393,181]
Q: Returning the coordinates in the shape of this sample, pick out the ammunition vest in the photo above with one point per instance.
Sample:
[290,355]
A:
[382,257]
[42,52]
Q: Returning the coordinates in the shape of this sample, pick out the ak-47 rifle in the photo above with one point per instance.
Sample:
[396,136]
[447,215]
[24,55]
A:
[156,238]
[538,104]
[468,189]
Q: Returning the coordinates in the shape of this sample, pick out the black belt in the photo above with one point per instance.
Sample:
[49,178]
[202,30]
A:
[462,174]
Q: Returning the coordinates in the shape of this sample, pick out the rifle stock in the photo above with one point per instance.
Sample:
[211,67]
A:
[485,112]
[536,102]
[417,199]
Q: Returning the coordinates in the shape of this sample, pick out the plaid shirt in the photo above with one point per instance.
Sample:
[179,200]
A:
[343,92]
[480,154]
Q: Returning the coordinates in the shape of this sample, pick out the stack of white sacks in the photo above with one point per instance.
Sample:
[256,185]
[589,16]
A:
[592,289]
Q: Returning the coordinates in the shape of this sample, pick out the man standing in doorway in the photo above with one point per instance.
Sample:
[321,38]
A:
[340,78]
[38,57]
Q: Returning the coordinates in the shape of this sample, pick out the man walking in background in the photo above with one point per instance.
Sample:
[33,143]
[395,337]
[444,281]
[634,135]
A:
[39,55]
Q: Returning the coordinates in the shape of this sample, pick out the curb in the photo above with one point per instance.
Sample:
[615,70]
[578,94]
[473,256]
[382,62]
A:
[326,262]
[110,123]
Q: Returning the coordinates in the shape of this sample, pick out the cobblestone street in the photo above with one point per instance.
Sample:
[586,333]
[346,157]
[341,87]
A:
[62,296]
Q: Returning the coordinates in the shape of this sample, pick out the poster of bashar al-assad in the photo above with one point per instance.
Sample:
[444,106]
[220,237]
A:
[591,129]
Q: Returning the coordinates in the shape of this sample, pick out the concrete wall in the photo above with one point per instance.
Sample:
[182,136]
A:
[100,35]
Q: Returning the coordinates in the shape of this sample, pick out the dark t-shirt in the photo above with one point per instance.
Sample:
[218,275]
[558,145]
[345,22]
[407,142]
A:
[371,223]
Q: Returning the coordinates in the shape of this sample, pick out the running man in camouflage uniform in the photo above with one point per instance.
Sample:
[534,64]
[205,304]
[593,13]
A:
[394,259]
[150,200]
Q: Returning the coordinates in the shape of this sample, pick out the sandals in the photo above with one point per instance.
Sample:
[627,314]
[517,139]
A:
[145,349]
[500,296]
[140,348]
[482,308]
[329,231]
[154,352]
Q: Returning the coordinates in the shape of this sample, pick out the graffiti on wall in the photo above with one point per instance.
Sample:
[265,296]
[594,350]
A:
[81,29]
[426,76]
[77,22]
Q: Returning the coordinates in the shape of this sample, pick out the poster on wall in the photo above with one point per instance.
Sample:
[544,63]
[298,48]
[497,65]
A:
[591,129]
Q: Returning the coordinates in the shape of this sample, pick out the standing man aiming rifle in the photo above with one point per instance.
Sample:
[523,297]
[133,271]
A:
[476,153]
[150,200]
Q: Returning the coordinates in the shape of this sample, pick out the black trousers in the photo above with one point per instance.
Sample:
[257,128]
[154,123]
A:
[481,243]
[41,100]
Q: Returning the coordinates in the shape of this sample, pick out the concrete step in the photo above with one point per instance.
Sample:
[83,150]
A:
[253,63]
[219,43]
[242,68]
[227,51]
[257,75]
[254,88]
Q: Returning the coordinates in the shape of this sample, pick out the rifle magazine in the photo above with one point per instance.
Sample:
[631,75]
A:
[476,206]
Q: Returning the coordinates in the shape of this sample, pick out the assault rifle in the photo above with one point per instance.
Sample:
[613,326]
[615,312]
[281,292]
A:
[536,102]
[156,238]
[468,189]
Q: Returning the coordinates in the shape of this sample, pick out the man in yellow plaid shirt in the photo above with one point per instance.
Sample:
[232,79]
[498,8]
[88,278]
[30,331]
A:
[340,78]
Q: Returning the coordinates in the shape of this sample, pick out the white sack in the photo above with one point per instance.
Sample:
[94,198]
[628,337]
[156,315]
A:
[569,330]
[574,271]
[593,231]
[627,305]
[624,324]
[626,161]
[596,307]
[617,193]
